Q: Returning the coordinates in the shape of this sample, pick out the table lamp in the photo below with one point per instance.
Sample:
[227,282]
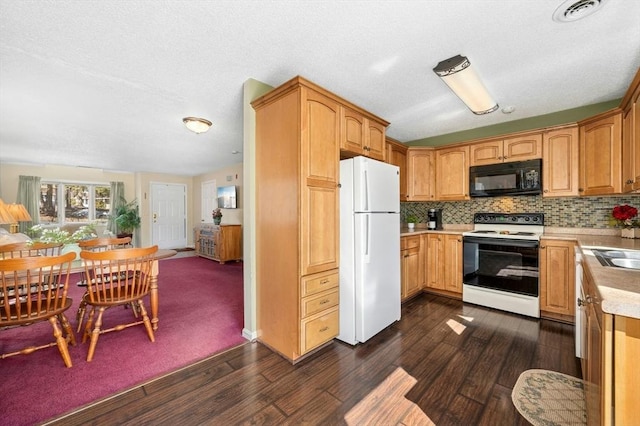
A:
[20,214]
[5,216]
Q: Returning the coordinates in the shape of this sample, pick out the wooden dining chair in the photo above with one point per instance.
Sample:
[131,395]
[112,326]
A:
[97,245]
[105,243]
[29,248]
[116,278]
[34,289]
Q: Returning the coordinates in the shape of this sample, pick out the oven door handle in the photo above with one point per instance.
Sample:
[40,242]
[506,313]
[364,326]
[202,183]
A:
[502,241]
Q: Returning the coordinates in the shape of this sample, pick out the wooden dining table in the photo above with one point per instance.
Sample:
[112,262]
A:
[78,266]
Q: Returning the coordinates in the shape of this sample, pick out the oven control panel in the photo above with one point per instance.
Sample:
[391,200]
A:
[509,218]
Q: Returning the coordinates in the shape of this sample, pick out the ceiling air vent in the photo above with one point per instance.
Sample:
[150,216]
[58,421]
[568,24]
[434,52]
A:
[572,10]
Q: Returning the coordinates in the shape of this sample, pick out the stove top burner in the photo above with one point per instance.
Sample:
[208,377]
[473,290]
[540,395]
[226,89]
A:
[526,226]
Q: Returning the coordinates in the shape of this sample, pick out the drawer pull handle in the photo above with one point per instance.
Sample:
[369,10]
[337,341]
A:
[326,280]
[324,302]
[323,329]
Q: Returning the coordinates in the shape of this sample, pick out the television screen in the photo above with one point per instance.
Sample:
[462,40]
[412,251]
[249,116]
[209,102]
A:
[227,197]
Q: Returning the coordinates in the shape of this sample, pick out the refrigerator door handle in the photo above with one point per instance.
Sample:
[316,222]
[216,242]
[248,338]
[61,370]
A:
[366,190]
[367,239]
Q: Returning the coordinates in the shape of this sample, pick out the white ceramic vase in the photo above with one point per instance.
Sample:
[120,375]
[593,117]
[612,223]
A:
[630,232]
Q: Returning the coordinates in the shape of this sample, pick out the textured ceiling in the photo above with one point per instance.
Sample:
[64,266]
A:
[106,83]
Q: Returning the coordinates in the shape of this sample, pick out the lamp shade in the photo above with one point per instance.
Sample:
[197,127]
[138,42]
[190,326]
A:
[5,216]
[19,212]
[197,125]
[457,73]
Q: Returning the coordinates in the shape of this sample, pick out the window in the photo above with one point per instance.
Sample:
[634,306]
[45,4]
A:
[62,203]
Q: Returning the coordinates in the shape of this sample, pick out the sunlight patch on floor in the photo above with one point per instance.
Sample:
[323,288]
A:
[456,326]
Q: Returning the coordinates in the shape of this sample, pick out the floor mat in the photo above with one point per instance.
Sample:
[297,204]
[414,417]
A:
[549,398]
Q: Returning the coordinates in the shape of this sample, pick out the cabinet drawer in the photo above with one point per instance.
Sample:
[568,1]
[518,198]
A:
[319,330]
[312,284]
[409,242]
[314,304]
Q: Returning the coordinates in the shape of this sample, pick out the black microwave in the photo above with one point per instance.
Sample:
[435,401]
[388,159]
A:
[515,178]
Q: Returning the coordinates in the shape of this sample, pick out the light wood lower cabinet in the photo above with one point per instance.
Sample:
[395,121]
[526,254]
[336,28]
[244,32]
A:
[444,264]
[319,309]
[557,280]
[610,367]
[219,242]
[596,367]
[410,259]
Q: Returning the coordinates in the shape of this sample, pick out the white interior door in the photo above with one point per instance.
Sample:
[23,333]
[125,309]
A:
[208,201]
[168,204]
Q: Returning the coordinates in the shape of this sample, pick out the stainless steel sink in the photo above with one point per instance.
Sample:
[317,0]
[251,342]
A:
[628,259]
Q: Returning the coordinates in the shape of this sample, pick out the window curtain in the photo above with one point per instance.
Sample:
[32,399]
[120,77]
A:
[29,197]
[116,199]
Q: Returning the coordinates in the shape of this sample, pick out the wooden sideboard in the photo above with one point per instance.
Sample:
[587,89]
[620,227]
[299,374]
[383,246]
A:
[219,242]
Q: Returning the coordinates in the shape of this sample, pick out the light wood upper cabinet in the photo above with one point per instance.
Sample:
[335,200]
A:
[452,173]
[421,172]
[600,154]
[557,279]
[518,148]
[631,137]
[360,135]
[374,139]
[560,163]
[319,215]
[397,155]
[352,130]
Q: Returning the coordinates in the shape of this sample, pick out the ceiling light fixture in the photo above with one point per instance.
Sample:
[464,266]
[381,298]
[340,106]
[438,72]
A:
[457,73]
[196,125]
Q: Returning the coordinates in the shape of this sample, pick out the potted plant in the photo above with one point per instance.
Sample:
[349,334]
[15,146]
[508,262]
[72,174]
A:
[127,218]
[412,219]
[217,216]
[38,233]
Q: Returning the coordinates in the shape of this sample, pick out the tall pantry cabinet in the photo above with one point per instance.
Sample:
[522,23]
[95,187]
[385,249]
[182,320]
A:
[297,217]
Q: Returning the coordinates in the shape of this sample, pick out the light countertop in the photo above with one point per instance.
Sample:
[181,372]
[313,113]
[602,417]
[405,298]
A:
[619,287]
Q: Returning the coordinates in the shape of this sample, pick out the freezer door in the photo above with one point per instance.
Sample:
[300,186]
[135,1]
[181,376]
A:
[376,186]
[377,272]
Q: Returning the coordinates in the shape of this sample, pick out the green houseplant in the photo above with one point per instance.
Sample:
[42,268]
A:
[412,219]
[127,218]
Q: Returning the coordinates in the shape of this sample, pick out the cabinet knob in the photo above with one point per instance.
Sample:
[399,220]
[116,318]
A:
[629,181]
[545,191]
[582,302]
[505,157]
[543,247]
[580,190]
[323,329]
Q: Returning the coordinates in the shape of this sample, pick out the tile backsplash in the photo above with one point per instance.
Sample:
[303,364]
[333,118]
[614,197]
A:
[569,212]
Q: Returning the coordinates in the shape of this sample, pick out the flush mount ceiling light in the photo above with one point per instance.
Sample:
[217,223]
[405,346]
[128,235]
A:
[457,73]
[572,10]
[196,125]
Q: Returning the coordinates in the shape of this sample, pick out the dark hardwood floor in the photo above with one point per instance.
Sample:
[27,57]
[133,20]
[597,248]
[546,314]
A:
[463,377]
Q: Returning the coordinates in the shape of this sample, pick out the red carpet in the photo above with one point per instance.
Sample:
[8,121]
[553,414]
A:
[201,313]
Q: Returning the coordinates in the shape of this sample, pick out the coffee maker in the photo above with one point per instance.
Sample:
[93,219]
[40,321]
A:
[434,219]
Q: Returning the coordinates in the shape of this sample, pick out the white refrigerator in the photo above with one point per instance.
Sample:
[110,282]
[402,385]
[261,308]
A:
[369,248]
